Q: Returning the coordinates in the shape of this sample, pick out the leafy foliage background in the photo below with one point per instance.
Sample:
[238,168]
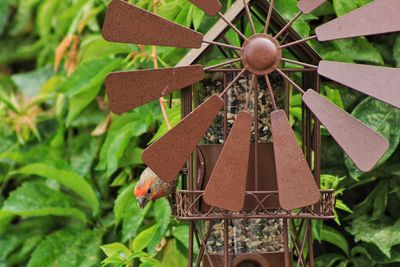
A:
[68,166]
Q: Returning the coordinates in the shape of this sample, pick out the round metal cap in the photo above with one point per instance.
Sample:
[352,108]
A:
[250,260]
[261,54]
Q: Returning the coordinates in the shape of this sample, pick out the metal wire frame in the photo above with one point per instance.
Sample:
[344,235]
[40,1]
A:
[298,236]
[190,206]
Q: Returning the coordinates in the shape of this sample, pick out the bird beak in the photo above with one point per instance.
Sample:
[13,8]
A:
[142,202]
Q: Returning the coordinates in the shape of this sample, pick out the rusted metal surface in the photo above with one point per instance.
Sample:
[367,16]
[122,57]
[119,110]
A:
[127,23]
[227,185]
[210,7]
[167,155]
[261,174]
[379,82]
[261,54]
[189,203]
[378,17]
[363,145]
[308,6]
[130,89]
[251,259]
[296,184]
[275,259]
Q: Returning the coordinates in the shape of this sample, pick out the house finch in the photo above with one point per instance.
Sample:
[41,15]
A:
[151,187]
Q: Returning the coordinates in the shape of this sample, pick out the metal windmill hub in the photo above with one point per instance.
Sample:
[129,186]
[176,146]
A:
[261,54]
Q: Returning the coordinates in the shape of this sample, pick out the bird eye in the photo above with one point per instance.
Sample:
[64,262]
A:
[149,191]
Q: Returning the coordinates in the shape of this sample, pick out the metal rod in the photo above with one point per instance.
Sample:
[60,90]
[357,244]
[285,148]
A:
[271,92]
[232,82]
[191,248]
[253,77]
[256,87]
[226,243]
[232,26]
[225,109]
[268,21]
[286,242]
[303,244]
[290,81]
[310,246]
[222,45]
[249,16]
[288,25]
[299,63]
[203,246]
[227,42]
[299,41]
[286,70]
[222,64]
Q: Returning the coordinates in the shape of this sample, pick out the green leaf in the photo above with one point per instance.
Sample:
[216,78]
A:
[37,199]
[30,83]
[144,238]
[21,239]
[172,256]
[384,234]
[69,247]
[174,116]
[3,14]
[331,235]
[122,130]
[330,260]
[69,179]
[343,6]
[116,248]
[162,214]
[85,83]
[127,211]
[384,119]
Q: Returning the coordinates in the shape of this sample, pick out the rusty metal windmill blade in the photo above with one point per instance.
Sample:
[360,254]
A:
[126,23]
[210,7]
[379,82]
[363,145]
[130,89]
[378,17]
[227,185]
[308,6]
[296,184]
[168,154]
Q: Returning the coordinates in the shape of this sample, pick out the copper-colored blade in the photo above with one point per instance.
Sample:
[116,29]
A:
[363,145]
[296,184]
[379,82]
[308,6]
[168,154]
[130,89]
[378,17]
[126,23]
[211,7]
[227,186]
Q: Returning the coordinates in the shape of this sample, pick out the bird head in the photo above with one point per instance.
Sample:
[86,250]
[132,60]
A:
[149,187]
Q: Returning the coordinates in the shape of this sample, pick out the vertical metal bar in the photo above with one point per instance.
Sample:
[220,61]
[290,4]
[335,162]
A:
[226,243]
[310,245]
[256,88]
[286,242]
[225,109]
[186,98]
[317,139]
[190,257]
[287,97]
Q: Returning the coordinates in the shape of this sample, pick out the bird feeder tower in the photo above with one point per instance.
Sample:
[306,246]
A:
[250,185]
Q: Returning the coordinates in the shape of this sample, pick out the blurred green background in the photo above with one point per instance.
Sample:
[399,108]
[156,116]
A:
[68,166]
